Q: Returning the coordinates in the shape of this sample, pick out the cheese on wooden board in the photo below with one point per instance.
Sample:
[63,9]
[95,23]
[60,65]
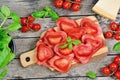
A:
[107,8]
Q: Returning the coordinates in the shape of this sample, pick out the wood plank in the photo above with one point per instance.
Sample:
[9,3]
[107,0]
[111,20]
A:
[36,71]
[26,7]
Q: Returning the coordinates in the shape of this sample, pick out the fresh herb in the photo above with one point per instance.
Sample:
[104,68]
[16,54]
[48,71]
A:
[45,13]
[6,55]
[70,43]
[91,75]
[117,47]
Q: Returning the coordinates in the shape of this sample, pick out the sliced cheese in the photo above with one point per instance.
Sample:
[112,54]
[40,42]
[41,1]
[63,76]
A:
[107,8]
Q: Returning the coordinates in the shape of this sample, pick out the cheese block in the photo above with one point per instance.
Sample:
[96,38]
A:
[107,8]
[32,54]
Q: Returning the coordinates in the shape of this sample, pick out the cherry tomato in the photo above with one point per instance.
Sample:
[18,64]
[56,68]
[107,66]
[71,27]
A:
[117,36]
[109,34]
[24,29]
[118,30]
[36,27]
[113,67]
[113,26]
[117,74]
[75,7]
[58,3]
[106,71]
[30,19]
[66,5]
[117,60]
[78,0]
[24,21]
[30,25]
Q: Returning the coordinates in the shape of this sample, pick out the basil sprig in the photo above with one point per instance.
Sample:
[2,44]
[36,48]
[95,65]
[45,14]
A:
[91,75]
[117,47]
[47,11]
[70,43]
[6,55]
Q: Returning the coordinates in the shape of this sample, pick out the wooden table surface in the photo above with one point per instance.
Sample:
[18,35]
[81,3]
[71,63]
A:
[27,41]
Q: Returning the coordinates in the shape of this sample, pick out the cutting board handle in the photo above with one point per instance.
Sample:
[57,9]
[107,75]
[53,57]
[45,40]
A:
[28,58]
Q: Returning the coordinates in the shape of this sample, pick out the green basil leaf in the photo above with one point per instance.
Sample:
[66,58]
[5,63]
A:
[91,74]
[4,72]
[48,9]
[116,47]
[70,46]
[15,17]
[13,26]
[64,46]
[38,14]
[1,15]
[5,10]
[69,39]
[76,42]
[46,14]
[53,15]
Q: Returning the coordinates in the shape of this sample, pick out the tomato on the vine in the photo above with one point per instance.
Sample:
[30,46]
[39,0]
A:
[30,19]
[58,3]
[113,26]
[24,29]
[75,7]
[113,67]
[117,60]
[23,21]
[117,36]
[36,27]
[78,0]
[117,74]
[106,71]
[108,34]
[66,5]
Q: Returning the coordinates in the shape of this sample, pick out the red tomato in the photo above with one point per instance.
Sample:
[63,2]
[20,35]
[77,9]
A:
[43,53]
[30,19]
[36,27]
[75,7]
[30,25]
[24,29]
[83,52]
[113,67]
[66,5]
[52,38]
[117,36]
[60,64]
[113,26]
[118,30]
[106,71]
[66,24]
[117,74]
[24,21]
[78,0]
[117,60]
[108,34]
[58,3]
[90,26]
[63,52]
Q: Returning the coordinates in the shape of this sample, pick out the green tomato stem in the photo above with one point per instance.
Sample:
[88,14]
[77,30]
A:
[3,22]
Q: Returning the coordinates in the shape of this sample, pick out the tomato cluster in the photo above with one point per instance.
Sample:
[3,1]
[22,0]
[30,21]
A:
[113,69]
[114,32]
[27,24]
[67,4]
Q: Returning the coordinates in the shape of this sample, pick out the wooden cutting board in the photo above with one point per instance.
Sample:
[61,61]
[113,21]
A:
[29,58]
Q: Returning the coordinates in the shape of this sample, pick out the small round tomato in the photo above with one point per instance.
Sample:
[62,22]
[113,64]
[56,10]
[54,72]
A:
[75,7]
[117,36]
[30,19]
[36,27]
[106,71]
[118,30]
[30,25]
[24,21]
[78,0]
[58,3]
[113,26]
[66,5]
[113,67]
[109,34]
[117,74]
[117,60]
[24,29]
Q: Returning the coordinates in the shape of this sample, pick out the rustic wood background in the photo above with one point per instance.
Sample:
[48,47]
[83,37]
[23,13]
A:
[27,41]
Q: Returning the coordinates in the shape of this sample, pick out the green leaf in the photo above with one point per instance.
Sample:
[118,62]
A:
[48,9]
[39,14]
[70,46]
[91,74]
[5,10]
[116,47]
[4,72]
[13,26]
[69,39]
[64,46]
[15,17]
[76,42]
[1,15]
[46,14]
[53,15]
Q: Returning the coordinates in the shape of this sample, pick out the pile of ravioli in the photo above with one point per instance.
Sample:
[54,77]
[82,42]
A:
[50,54]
